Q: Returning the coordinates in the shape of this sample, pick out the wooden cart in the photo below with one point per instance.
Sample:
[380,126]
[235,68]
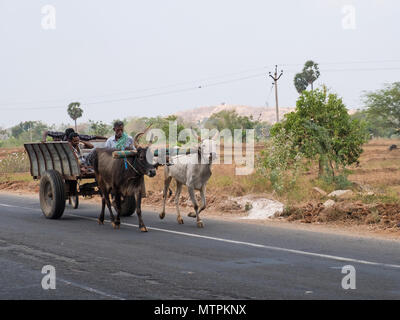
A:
[57,167]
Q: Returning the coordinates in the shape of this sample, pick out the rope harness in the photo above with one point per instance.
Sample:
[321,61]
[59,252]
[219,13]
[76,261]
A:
[132,166]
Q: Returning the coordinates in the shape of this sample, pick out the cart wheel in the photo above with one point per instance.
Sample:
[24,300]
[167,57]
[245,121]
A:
[128,206]
[75,201]
[52,194]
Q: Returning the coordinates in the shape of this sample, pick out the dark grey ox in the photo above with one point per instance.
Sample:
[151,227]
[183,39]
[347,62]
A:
[113,177]
[194,171]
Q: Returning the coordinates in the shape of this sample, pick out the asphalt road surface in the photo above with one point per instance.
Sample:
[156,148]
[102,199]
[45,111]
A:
[225,260]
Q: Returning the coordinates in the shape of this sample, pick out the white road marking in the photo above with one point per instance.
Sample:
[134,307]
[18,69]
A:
[326,256]
[89,289]
[250,244]
[12,206]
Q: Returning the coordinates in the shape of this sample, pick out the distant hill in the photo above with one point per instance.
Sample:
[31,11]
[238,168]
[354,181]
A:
[267,114]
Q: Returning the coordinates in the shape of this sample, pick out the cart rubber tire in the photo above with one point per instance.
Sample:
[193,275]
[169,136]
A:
[128,206]
[52,194]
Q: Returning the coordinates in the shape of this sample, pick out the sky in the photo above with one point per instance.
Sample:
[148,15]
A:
[146,58]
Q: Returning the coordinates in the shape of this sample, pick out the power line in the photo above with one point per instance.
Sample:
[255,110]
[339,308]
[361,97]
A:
[206,85]
[270,92]
[354,69]
[342,62]
[145,96]
[361,69]
[143,90]
[197,81]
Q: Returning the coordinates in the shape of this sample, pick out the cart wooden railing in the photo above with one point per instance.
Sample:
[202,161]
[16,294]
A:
[58,156]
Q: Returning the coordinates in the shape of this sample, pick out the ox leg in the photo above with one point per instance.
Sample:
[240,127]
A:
[167,182]
[196,207]
[138,193]
[117,222]
[203,198]
[103,206]
[100,220]
[177,196]
[203,202]
[108,203]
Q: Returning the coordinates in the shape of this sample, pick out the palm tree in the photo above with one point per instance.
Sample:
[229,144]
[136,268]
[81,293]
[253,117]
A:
[75,112]
[311,72]
[307,77]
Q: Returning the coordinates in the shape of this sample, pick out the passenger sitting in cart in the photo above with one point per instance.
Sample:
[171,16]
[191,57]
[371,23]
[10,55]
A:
[63,136]
[74,140]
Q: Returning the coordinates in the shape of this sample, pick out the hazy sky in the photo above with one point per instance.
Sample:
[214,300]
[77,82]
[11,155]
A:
[108,54]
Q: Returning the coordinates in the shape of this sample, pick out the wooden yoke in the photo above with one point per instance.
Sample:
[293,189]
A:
[123,154]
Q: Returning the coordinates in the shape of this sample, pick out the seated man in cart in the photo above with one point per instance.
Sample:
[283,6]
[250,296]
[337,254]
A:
[74,140]
[63,136]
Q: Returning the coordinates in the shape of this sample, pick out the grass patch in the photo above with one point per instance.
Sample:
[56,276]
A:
[14,162]
[222,181]
[381,198]
[16,177]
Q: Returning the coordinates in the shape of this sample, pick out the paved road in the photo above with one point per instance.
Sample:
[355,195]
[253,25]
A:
[225,260]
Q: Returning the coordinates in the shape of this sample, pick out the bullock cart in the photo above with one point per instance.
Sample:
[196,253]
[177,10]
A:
[57,167]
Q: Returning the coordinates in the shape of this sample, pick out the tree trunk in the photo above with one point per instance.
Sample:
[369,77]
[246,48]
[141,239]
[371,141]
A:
[76,128]
[333,170]
[320,168]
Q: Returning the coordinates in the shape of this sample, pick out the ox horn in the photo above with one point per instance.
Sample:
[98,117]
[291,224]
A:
[138,135]
[195,135]
[151,140]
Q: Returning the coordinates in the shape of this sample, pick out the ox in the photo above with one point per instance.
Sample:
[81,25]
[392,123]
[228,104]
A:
[122,178]
[194,171]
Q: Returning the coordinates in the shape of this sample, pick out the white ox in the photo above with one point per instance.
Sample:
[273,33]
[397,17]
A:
[192,170]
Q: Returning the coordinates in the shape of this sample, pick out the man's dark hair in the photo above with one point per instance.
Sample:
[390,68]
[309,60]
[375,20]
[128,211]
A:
[68,132]
[72,135]
[118,123]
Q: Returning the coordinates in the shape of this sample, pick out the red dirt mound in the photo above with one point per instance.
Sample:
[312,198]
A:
[383,215]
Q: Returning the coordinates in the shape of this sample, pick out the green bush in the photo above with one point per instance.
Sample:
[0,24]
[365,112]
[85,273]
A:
[280,162]
[338,182]
[11,142]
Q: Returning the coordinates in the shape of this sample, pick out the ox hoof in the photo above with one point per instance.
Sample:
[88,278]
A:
[143,229]
[115,225]
[162,215]
[192,215]
[100,222]
[180,220]
[200,224]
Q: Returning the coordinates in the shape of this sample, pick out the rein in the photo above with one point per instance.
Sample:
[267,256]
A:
[133,166]
[127,162]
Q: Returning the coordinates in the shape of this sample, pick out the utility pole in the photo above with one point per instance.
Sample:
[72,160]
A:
[275,77]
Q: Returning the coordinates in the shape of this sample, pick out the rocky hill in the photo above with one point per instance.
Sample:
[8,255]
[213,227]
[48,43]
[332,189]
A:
[267,114]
